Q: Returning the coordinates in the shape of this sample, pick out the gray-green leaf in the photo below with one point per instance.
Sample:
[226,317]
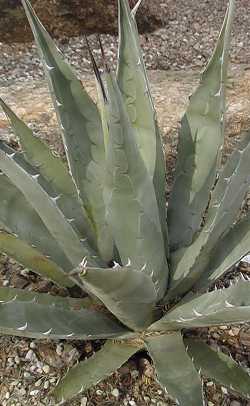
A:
[33,259]
[30,319]
[129,294]
[134,85]
[88,373]
[228,251]
[223,306]
[81,129]
[174,369]
[132,209]
[219,367]
[200,143]
[30,183]
[53,169]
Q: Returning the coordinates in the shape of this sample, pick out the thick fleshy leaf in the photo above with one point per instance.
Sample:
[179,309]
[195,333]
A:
[200,143]
[53,169]
[230,191]
[134,85]
[23,295]
[19,218]
[81,130]
[93,370]
[219,367]
[228,251]
[223,306]
[132,209]
[174,369]
[189,264]
[31,184]
[24,318]
[129,294]
[132,81]
[33,259]
[136,7]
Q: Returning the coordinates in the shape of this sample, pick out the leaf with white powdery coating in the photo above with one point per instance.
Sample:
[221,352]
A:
[228,251]
[93,370]
[129,294]
[81,130]
[129,190]
[134,85]
[222,306]
[28,227]
[226,200]
[23,177]
[219,367]
[23,295]
[24,318]
[200,143]
[52,168]
[175,371]
[31,258]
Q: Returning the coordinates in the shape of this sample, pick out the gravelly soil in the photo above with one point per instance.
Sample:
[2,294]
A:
[185,41]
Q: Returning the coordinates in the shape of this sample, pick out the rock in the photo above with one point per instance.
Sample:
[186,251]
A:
[46,384]
[146,368]
[46,369]
[30,356]
[34,392]
[245,337]
[67,18]
[84,401]
[115,392]
[49,356]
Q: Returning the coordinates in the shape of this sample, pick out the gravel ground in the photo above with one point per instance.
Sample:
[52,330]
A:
[186,41]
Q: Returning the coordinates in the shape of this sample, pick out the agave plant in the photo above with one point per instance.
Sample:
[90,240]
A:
[99,222]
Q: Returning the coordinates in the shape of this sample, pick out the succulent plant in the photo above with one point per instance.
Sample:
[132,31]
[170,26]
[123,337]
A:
[98,222]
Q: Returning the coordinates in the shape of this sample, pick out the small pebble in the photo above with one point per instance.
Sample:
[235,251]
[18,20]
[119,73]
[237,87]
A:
[115,392]
[32,345]
[99,392]
[25,272]
[6,283]
[46,369]
[38,383]
[30,356]
[7,395]
[17,360]
[46,385]
[132,403]
[59,349]
[32,368]
[26,375]
[34,392]
[10,361]
[84,401]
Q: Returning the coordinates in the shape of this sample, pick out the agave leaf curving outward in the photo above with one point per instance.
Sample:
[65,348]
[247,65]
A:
[98,222]
[200,144]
